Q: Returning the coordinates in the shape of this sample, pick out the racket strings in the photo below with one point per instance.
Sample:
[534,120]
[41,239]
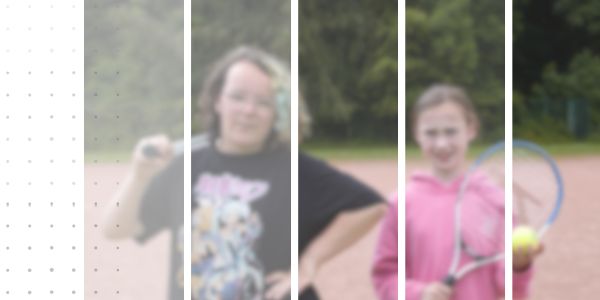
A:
[482,227]
[479,203]
[534,188]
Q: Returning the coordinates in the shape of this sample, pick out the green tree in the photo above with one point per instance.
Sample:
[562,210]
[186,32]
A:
[459,42]
[348,67]
[134,59]
[133,71]
[557,58]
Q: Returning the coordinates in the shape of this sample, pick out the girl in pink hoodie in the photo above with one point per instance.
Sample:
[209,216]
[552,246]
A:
[444,123]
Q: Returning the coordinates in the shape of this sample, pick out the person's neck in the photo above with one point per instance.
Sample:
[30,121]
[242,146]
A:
[232,149]
[447,177]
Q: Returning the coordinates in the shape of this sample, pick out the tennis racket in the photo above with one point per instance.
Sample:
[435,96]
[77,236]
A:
[538,193]
[481,245]
[538,189]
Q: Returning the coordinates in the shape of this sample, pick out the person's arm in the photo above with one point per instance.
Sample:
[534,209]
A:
[521,281]
[121,219]
[123,209]
[345,229]
[522,276]
[385,267]
[523,270]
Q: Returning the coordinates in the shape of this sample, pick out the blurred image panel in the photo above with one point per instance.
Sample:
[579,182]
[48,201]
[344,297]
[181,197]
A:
[133,162]
[347,165]
[556,104]
[240,160]
[455,102]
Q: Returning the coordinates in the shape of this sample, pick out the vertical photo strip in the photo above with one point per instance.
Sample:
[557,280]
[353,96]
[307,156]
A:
[240,159]
[455,155]
[556,153]
[134,106]
[347,163]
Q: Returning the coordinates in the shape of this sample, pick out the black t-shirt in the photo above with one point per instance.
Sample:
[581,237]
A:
[240,221]
[324,193]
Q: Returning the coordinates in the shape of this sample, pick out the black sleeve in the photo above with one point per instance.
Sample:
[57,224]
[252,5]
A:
[162,200]
[324,192]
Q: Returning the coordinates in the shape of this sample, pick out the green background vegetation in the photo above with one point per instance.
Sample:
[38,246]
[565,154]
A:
[349,69]
[133,72]
[348,65]
[459,42]
[556,63]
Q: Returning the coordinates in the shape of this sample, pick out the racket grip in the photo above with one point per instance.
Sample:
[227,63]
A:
[150,151]
[449,280]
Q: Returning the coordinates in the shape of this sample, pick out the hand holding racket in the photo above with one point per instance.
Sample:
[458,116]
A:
[151,155]
[437,291]
[537,198]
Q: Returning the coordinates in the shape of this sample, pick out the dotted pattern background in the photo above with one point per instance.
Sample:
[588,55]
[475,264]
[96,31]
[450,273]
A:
[41,149]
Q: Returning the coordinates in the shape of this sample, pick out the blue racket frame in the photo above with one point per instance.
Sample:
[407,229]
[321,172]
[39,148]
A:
[456,274]
[532,147]
[557,176]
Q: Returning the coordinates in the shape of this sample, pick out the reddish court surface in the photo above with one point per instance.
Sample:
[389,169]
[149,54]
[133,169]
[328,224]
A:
[142,270]
[570,266]
[347,276]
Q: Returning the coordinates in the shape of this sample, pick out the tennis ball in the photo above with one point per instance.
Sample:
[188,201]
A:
[524,237]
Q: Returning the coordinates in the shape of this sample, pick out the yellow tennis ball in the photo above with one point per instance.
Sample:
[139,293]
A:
[524,237]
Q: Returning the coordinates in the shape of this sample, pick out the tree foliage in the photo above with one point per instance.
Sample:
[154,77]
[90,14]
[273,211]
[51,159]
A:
[133,71]
[134,59]
[459,42]
[557,63]
[348,67]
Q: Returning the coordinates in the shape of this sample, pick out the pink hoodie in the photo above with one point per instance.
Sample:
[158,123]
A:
[385,268]
[429,237]
[429,244]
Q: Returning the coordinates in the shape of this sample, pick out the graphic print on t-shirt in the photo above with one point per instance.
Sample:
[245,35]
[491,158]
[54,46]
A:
[224,230]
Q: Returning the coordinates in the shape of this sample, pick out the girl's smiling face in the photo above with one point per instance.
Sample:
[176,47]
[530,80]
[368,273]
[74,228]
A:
[443,134]
[246,108]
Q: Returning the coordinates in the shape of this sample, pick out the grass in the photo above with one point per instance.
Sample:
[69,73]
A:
[364,151]
[556,150]
[352,151]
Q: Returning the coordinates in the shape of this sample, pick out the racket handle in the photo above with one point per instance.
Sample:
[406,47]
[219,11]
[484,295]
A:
[150,151]
[449,280]
[197,141]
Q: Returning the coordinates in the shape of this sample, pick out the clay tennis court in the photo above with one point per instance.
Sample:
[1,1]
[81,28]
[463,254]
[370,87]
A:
[119,270]
[143,269]
[347,276]
[567,270]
